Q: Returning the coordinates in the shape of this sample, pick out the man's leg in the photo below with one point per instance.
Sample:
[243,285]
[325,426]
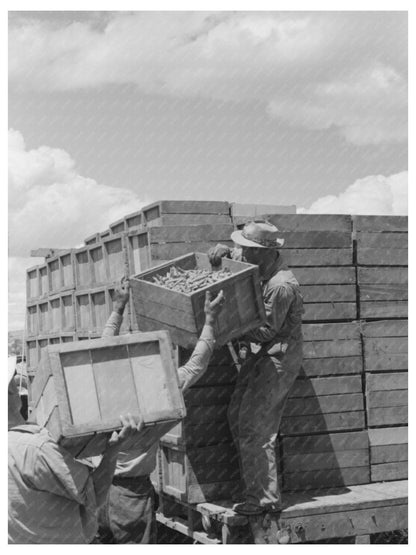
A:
[234,410]
[131,510]
[261,410]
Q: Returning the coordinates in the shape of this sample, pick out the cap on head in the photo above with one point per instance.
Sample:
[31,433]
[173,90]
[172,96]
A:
[260,234]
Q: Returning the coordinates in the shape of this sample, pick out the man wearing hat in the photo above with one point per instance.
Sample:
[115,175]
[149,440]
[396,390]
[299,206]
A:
[53,498]
[271,358]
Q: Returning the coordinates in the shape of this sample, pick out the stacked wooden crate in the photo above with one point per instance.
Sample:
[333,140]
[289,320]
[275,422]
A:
[199,460]
[382,255]
[323,438]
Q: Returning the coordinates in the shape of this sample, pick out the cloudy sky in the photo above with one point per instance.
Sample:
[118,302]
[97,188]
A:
[112,110]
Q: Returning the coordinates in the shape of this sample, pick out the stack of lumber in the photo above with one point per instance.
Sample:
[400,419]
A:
[199,460]
[323,426]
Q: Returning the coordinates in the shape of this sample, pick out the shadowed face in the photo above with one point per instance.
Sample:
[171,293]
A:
[260,256]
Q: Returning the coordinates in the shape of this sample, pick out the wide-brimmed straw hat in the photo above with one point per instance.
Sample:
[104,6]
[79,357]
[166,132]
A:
[258,234]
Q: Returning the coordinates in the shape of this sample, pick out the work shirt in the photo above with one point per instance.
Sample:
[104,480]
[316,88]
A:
[51,495]
[283,304]
[136,461]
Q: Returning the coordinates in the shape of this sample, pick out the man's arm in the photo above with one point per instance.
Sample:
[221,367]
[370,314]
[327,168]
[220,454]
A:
[121,296]
[276,306]
[104,473]
[198,363]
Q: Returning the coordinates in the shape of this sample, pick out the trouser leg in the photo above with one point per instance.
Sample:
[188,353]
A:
[131,513]
[261,409]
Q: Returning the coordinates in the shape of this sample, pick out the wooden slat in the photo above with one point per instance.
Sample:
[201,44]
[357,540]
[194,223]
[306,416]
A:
[194,233]
[380,223]
[388,436]
[342,441]
[327,479]
[332,348]
[191,207]
[169,251]
[323,422]
[316,239]
[188,219]
[328,293]
[381,454]
[311,222]
[379,275]
[329,311]
[389,471]
[387,382]
[383,292]
[326,386]
[323,461]
[384,309]
[395,398]
[386,363]
[385,345]
[387,416]
[318,257]
[382,240]
[325,275]
[331,366]
[347,524]
[385,328]
[324,404]
[337,330]
[382,257]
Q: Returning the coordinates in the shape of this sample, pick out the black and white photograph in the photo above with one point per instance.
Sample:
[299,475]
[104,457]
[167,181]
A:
[207,274]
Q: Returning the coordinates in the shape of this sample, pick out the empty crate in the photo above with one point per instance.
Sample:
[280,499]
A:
[81,389]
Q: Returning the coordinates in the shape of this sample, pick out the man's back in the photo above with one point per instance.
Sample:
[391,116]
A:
[51,495]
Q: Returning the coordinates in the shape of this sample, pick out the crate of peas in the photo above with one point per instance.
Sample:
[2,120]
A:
[172,296]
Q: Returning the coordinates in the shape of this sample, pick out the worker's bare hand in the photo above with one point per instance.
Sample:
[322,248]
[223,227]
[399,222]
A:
[129,432]
[213,306]
[121,294]
[215,254]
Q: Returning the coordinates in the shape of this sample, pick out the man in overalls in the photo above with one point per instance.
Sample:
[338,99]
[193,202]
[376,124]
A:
[271,358]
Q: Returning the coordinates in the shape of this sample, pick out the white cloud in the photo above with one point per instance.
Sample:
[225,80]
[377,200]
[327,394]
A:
[372,195]
[314,70]
[50,205]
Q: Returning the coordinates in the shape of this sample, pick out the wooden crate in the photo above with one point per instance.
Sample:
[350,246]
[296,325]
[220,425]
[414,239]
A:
[331,349]
[94,307]
[387,398]
[325,460]
[243,213]
[389,453]
[376,224]
[164,252]
[200,474]
[118,227]
[159,209]
[81,389]
[206,420]
[383,292]
[60,271]
[183,315]
[385,345]
[316,405]
[32,283]
[91,239]
[101,263]
[43,280]
[36,346]
[311,222]
[138,251]
[134,220]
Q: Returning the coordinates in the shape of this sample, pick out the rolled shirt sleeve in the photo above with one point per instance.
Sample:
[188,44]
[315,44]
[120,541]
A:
[198,363]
